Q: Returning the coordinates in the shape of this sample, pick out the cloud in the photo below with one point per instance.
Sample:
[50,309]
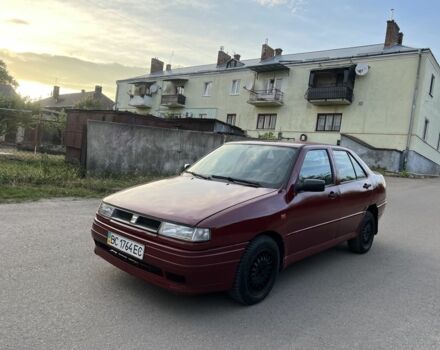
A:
[18,21]
[292,5]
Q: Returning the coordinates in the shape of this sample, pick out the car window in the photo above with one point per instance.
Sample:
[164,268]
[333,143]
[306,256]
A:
[344,166]
[316,165]
[360,172]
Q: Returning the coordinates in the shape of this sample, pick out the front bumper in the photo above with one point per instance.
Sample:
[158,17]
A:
[181,270]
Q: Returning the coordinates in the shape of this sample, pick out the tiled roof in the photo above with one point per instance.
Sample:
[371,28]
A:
[349,52]
[71,100]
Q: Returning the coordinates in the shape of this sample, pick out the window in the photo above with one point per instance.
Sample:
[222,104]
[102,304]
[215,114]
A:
[344,166]
[316,165]
[360,172]
[329,122]
[235,87]
[425,129]
[431,86]
[203,115]
[273,84]
[266,121]
[207,88]
[230,119]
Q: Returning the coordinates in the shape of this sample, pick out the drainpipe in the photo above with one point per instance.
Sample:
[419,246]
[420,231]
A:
[413,112]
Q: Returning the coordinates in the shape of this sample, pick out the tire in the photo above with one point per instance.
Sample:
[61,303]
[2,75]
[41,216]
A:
[364,240]
[257,271]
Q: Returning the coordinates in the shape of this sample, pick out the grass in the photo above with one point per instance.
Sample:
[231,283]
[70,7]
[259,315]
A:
[25,176]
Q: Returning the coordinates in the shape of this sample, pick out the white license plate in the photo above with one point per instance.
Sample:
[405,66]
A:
[125,245]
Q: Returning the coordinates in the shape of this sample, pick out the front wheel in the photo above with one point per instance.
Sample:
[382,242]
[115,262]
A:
[257,271]
[364,240]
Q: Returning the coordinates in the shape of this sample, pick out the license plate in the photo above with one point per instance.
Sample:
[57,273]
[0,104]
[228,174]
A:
[125,245]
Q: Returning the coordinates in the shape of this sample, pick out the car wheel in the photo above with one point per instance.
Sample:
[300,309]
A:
[364,240]
[257,271]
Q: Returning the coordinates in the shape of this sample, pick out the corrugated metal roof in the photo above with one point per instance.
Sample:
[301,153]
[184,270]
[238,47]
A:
[71,100]
[349,52]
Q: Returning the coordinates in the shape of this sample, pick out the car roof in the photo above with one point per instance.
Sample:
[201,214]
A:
[288,144]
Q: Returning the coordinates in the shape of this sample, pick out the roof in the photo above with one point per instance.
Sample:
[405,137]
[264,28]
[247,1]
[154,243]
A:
[297,58]
[7,91]
[71,100]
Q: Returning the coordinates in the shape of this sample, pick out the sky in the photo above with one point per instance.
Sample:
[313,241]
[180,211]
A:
[78,44]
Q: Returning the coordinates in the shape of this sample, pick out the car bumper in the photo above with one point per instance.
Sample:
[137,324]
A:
[182,271]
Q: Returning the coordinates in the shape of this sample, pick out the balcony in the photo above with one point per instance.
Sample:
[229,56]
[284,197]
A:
[173,101]
[330,95]
[141,101]
[272,97]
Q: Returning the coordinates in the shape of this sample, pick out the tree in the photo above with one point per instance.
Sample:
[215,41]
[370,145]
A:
[5,77]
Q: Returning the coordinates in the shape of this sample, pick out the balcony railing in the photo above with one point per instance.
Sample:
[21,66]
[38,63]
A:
[273,97]
[141,101]
[171,101]
[330,95]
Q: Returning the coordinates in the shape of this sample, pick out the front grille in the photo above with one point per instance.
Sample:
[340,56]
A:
[147,267]
[136,220]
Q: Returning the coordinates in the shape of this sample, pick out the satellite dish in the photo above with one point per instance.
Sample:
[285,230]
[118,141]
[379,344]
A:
[362,69]
[154,88]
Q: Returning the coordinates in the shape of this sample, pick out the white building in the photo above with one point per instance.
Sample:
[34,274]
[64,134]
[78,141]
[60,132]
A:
[381,100]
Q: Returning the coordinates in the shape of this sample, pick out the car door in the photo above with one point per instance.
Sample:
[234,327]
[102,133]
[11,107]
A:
[355,191]
[311,215]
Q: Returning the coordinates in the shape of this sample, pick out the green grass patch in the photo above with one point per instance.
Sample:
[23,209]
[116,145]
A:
[25,176]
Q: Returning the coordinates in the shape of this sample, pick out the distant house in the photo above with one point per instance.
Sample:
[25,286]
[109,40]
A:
[7,91]
[68,101]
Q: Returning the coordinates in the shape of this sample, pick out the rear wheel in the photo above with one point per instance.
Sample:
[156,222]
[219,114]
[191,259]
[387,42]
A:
[364,240]
[257,271]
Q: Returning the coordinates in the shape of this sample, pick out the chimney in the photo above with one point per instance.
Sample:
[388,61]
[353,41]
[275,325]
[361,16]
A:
[237,57]
[266,52]
[56,92]
[278,52]
[222,57]
[98,90]
[393,35]
[156,66]
[168,67]
[83,91]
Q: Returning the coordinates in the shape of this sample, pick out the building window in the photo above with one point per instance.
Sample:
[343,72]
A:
[207,88]
[235,87]
[431,86]
[266,121]
[272,84]
[329,122]
[425,129]
[230,119]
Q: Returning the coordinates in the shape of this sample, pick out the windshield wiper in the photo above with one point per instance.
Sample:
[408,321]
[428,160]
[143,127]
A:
[239,181]
[198,175]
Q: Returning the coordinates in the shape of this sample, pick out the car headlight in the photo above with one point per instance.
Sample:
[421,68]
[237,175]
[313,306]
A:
[106,210]
[192,234]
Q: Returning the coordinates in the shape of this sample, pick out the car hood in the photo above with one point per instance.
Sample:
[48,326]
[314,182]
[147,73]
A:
[184,199]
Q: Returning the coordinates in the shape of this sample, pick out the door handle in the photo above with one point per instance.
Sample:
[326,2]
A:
[366,186]
[332,195]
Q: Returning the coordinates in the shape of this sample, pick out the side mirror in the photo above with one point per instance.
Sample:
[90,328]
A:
[186,166]
[311,185]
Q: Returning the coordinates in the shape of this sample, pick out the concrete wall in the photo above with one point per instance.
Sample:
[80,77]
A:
[419,164]
[375,158]
[126,149]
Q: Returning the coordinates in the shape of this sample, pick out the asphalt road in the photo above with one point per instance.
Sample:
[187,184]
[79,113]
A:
[56,294]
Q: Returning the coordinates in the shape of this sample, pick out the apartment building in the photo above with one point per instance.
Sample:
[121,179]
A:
[382,100]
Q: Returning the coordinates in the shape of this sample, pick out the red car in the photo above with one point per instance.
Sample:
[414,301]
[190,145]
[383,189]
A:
[238,216]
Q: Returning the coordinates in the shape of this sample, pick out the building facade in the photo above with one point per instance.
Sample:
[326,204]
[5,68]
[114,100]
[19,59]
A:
[375,98]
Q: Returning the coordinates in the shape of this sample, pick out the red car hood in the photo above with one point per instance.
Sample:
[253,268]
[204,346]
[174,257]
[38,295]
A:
[184,199]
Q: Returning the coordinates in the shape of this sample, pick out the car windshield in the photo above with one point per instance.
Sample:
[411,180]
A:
[247,164]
